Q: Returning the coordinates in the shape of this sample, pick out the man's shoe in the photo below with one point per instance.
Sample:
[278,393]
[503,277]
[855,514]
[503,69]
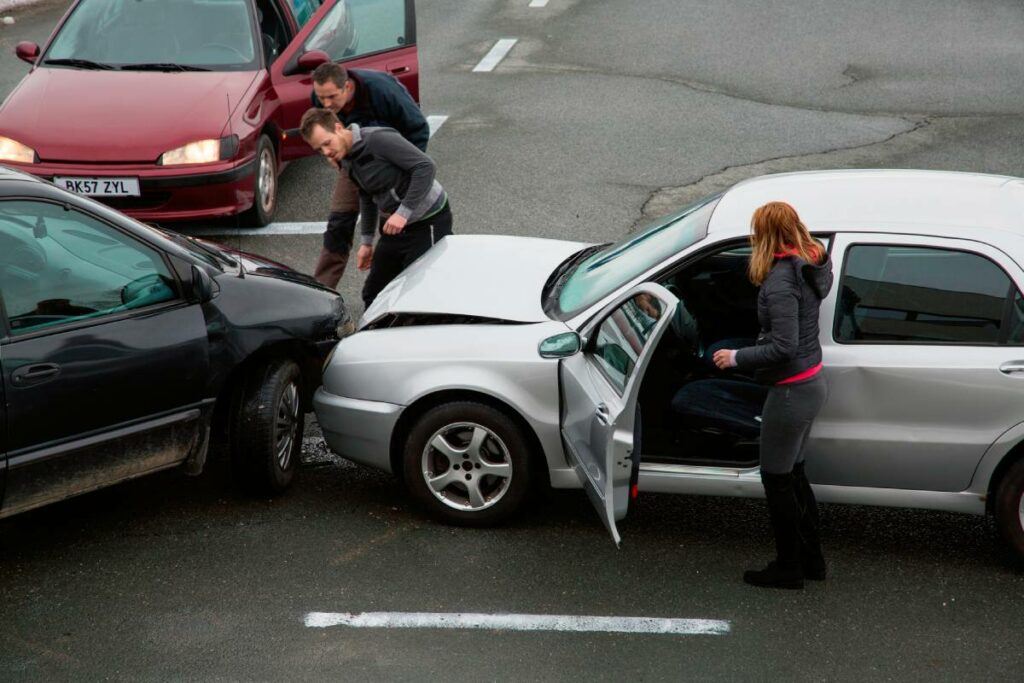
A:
[814,568]
[775,575]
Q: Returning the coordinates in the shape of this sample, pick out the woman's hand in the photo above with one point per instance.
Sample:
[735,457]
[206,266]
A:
[725,359]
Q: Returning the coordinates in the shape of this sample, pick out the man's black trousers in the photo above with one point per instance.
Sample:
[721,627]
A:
[394,253]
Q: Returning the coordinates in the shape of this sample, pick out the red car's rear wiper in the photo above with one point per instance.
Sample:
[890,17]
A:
[161,66]
[80,63]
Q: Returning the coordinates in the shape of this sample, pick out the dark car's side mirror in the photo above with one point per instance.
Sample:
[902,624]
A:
[202,285]
[27,51]
[309,61]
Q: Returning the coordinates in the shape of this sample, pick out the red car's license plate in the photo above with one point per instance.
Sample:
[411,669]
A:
[100,187]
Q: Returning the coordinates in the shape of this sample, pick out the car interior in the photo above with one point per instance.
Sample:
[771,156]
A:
[274,31]
[693,413]
[679,424]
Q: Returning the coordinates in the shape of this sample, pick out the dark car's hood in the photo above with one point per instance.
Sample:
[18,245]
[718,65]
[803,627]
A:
[253,264]
[119,116]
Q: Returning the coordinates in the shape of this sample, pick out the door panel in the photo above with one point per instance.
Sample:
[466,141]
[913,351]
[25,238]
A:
[100,341]
[599,393]
[3,433]
[916,414]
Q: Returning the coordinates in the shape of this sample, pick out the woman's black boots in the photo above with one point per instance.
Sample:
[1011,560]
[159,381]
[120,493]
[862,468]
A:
[786,570]
[812,560]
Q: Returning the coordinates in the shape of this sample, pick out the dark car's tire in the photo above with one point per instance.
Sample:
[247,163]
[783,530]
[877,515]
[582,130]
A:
[480,482]
[266,428]
[1009,510]
[265,201]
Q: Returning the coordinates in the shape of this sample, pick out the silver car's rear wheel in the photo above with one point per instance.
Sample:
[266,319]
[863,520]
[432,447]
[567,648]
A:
[1009,509]
[466,466]
[468,463]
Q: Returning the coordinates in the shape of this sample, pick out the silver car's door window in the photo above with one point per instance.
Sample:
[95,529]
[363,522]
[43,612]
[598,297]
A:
[600,387]
[922,345]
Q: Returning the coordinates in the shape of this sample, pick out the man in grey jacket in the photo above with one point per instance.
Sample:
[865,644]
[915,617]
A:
[396,180]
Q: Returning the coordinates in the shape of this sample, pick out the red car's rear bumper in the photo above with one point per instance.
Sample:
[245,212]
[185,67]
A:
[179,194]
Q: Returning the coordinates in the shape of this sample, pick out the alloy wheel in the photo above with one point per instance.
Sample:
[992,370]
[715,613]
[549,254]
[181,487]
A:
[466,466]
[266,180]
[286,424]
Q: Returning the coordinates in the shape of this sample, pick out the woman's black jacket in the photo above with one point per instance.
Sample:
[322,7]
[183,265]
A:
[787,308]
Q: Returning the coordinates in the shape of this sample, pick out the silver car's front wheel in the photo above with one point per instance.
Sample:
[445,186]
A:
[467,463]
[466,466]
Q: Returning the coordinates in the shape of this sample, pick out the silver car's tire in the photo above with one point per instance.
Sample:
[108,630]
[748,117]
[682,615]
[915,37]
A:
[467,463]
[1009,510]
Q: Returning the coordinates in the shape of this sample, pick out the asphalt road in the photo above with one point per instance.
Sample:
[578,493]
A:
[604,113]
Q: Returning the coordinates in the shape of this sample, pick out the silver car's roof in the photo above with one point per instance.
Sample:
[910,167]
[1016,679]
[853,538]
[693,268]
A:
[938,203]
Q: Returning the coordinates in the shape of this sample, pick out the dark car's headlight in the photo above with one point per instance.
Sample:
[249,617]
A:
[12,150]
[201,152]
[346,326]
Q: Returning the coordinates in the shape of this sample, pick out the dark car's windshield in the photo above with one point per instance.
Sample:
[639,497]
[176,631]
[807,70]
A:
[166,35]
[603,272]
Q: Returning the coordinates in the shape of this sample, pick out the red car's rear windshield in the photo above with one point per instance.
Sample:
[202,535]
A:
[124,34]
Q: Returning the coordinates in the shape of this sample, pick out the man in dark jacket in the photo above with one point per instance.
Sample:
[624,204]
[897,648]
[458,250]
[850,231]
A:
[395,180]
[367,98]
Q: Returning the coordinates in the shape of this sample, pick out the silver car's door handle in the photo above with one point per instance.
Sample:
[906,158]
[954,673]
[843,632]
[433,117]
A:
[1013,367]
[602,414]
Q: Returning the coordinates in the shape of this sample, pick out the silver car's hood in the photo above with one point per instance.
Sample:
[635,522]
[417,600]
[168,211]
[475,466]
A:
[491,276]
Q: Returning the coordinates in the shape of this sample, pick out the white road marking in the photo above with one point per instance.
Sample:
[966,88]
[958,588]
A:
[519,622]
[435,122]
[497,53]
[272,229]
[538,3]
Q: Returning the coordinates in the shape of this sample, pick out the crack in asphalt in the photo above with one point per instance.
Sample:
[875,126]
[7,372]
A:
[726,176]
[852,72]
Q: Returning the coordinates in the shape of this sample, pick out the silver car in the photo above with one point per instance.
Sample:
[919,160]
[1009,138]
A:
[494,364]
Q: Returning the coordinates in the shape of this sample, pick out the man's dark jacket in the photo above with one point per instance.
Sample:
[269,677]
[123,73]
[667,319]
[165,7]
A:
[787,308]
[381,101]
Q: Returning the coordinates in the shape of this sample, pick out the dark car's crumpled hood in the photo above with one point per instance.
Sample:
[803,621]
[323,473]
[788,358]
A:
[253,264]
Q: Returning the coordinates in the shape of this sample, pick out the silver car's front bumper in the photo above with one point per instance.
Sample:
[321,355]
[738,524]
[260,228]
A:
[356,429]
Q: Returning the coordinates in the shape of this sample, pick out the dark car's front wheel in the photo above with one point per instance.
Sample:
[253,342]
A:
[1009,509]
[467,463]
[266,430]
[265,201]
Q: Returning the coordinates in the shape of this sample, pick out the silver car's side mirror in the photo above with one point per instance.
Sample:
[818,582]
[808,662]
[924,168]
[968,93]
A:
[561,345]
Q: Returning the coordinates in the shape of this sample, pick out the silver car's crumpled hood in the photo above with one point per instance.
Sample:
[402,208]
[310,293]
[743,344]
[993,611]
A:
[492,276]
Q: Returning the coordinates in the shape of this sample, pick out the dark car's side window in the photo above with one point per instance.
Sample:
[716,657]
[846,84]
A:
[59,265]
[360,27]
[925,295]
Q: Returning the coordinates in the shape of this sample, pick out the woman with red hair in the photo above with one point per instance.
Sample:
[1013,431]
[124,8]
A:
[794,273]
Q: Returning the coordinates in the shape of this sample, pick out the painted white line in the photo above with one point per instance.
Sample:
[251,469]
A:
[435,122]
[272,229]
[519,622]
[497,53]
[538,3]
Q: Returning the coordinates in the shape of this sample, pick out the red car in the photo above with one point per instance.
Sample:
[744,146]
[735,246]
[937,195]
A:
[188,109]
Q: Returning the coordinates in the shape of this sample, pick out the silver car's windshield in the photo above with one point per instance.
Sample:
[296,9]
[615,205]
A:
[151,34]
[603,272]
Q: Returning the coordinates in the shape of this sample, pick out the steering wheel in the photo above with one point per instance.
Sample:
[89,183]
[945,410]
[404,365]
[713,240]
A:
[229,48]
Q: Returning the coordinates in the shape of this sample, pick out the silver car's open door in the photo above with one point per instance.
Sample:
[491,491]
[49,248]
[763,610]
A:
[599,394]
